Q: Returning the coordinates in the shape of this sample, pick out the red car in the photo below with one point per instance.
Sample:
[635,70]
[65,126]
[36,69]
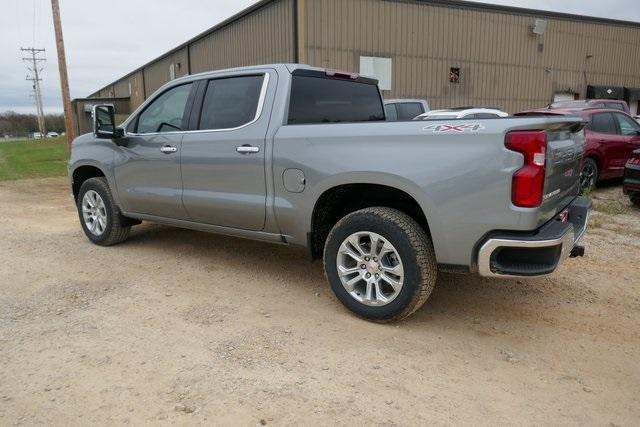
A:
[612,104]
[610,135]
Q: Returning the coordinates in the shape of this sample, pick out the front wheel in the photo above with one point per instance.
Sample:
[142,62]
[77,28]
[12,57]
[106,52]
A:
[380,263]
[100,218]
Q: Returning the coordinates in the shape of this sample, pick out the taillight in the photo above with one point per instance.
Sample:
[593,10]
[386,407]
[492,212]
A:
[527,185]
[635,158]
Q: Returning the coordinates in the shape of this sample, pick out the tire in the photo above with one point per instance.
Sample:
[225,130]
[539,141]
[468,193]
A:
[589,176]
[115,228]
[635,199]
[415,256]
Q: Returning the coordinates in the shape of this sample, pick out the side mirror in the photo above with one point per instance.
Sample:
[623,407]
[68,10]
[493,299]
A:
[104,122]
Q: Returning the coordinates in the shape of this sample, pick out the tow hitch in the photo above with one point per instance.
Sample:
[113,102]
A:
[577,251]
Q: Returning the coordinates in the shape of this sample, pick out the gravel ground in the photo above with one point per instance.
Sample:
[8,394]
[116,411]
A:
[181,327]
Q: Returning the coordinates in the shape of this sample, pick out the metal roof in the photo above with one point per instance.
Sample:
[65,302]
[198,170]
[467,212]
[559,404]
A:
[461,4]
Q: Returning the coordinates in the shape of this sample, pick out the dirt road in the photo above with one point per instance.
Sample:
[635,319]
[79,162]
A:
[182,327]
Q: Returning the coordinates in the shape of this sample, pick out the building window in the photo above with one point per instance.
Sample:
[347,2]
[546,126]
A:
[454,75]
[380,68]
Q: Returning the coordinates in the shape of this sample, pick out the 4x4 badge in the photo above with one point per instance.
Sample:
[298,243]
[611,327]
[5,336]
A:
[455,128]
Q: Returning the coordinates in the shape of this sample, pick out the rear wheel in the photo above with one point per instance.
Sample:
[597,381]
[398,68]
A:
[380,263]
[100,218]
[635,199]
[589,175]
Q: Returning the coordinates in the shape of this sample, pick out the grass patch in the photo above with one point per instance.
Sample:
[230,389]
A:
[33,159]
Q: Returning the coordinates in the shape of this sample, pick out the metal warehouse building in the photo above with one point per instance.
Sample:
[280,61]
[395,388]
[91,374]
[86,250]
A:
[452,53]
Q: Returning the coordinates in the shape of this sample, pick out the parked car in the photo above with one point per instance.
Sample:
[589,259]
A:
[52,134]
[612,104]
[631,183]
[36,135]
[296,155]
[397,110]
[463,113]
[611,136]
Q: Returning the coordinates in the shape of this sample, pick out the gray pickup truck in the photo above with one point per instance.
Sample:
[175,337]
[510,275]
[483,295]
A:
[303,156]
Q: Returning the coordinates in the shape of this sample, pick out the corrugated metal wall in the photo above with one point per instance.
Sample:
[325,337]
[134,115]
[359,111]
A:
[130,86]
[265,35]
[158,73]
[262,37]
[499,56]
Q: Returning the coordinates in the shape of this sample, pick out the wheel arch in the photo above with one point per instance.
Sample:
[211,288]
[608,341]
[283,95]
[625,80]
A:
[337,200]
[83,172]
[596,158]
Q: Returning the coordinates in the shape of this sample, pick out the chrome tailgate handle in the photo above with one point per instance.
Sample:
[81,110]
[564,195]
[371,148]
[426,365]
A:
[246,149]
[168,149]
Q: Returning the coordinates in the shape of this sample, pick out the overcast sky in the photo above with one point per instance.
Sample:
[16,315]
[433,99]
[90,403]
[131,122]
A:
[105,40]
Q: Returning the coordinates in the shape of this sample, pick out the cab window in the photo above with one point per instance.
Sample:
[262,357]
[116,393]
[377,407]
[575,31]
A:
[165,113]
[231,102]
[391,112]
[409,110]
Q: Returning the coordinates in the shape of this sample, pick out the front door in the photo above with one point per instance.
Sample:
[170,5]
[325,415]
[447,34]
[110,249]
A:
[630,131]
[223,160]
[613,146]
[147,165]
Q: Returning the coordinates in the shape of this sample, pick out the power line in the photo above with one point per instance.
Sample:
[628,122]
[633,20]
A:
[33,62]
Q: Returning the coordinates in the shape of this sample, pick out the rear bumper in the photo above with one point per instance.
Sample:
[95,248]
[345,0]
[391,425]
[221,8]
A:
[511,254]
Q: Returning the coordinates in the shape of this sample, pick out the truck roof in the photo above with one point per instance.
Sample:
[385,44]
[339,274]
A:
[290,67]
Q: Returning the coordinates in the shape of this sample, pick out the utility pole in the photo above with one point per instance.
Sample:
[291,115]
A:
[62,67]
[35,79]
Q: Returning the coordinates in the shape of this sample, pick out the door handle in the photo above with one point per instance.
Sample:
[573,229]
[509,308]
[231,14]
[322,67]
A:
[168,149]
[246,149]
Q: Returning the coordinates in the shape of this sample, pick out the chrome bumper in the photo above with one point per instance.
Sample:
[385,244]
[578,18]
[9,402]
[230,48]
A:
[562,238]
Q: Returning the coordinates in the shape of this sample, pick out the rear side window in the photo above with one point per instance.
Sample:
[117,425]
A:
[409,110]
[603,123]
[614,106]
[326,100]
[391,112]
[230,103]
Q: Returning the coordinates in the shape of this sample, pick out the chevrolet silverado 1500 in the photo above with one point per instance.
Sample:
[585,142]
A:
[303,156]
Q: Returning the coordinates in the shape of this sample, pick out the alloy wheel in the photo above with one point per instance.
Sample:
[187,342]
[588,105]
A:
[370,268]
[94,213]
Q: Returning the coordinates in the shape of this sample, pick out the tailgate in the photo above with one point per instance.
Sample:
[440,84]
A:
[565,148]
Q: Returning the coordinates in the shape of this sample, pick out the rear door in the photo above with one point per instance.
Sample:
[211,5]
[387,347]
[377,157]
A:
[223,156]
[613,145]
